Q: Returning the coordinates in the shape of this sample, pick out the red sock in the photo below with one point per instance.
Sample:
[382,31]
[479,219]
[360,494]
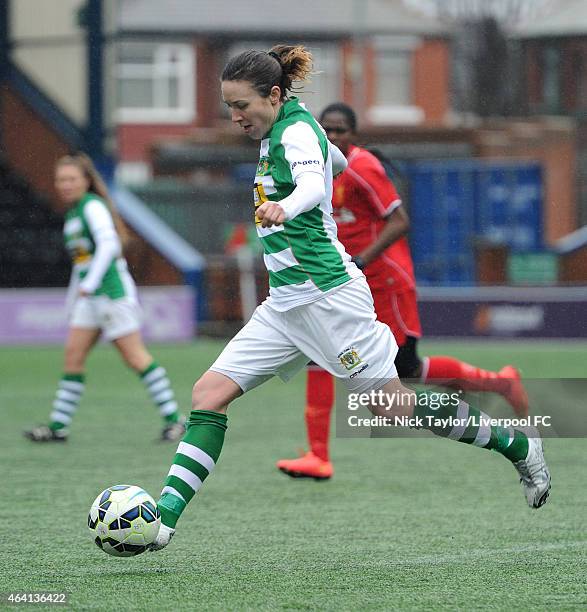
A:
[455,373]
[319,401]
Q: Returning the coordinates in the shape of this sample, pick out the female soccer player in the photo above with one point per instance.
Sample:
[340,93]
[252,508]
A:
[372,226]
[102,299]
[319,305]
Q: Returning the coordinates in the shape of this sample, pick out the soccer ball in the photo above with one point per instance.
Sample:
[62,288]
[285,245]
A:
[124,520]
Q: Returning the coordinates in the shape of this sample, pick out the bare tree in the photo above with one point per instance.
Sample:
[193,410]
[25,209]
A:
[486,61]
[503,11]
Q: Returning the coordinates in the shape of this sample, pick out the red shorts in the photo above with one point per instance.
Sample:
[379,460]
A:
[399,311]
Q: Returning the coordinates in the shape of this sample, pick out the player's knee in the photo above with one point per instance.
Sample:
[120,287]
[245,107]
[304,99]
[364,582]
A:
[208,396]
[199,393]
[137,360]
[74,358]
[393,400]
[408,370]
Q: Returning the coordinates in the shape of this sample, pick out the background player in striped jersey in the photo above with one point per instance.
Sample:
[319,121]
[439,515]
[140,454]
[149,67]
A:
[102,300]
[319,305]
[372,226]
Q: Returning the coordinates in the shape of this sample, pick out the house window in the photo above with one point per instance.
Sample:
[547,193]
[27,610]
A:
[325,86]
[393,57]
[551,61]
[394,77]
[156,83]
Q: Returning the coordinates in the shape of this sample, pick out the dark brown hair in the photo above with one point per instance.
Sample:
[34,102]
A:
[97,186]
[282,65]
[344,109]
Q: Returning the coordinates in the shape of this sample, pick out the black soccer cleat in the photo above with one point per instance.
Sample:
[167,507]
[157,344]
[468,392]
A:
[173,431]
[43,433]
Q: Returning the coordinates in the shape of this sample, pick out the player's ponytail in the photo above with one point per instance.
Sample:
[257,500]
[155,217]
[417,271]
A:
[97,185]
[283,65]
[296,64]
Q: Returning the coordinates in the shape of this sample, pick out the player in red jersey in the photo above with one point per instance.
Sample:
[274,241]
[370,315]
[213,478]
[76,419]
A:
[372,226]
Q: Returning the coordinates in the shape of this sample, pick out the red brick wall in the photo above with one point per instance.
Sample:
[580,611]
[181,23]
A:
[346,63]
[135,140]
[208,70]
[533,75]
[430,80]
[31,146]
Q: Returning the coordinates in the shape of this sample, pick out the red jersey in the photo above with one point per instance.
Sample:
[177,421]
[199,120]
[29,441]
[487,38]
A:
[362,198]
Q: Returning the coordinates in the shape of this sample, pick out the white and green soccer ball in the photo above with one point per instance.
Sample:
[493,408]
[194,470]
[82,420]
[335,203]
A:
[124,520]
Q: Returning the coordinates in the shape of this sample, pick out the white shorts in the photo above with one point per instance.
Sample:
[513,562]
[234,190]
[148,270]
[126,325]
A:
[116,318]
[339,332]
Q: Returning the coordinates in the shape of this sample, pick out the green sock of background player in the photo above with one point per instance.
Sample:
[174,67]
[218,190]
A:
[155,379]
[69,393]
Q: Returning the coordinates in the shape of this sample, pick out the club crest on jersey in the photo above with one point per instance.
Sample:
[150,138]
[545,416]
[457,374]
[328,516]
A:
[350,358]
[259,197]
[338,195]
[263,167]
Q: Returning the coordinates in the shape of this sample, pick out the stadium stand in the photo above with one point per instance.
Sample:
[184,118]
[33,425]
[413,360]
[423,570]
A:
[31,243]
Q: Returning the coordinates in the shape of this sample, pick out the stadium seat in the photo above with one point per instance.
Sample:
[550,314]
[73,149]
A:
[31,242]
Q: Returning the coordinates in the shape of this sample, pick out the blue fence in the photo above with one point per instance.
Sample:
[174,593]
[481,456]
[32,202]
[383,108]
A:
[458,204]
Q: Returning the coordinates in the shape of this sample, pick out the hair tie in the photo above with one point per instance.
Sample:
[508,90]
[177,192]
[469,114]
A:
[274,56]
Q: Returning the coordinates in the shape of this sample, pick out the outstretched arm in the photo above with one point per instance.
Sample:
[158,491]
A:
[309,191]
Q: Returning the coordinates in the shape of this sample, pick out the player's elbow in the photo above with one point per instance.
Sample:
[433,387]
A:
[318,188]
[311,185]
[405,227]
[401,220]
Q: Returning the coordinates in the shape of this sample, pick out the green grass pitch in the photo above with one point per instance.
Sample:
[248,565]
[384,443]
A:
[420,524]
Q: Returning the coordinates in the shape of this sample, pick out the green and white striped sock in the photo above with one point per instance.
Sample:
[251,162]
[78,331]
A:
[470,426]
[158,385]
[195,459]
[67,399]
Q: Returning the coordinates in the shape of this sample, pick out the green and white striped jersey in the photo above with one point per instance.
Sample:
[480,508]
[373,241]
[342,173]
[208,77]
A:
[303,256]
[92,241]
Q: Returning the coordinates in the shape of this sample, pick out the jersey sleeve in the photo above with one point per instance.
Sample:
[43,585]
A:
[302,150]
[339,162]
[369,174]
[108,246]
[99,220]
[309,190]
